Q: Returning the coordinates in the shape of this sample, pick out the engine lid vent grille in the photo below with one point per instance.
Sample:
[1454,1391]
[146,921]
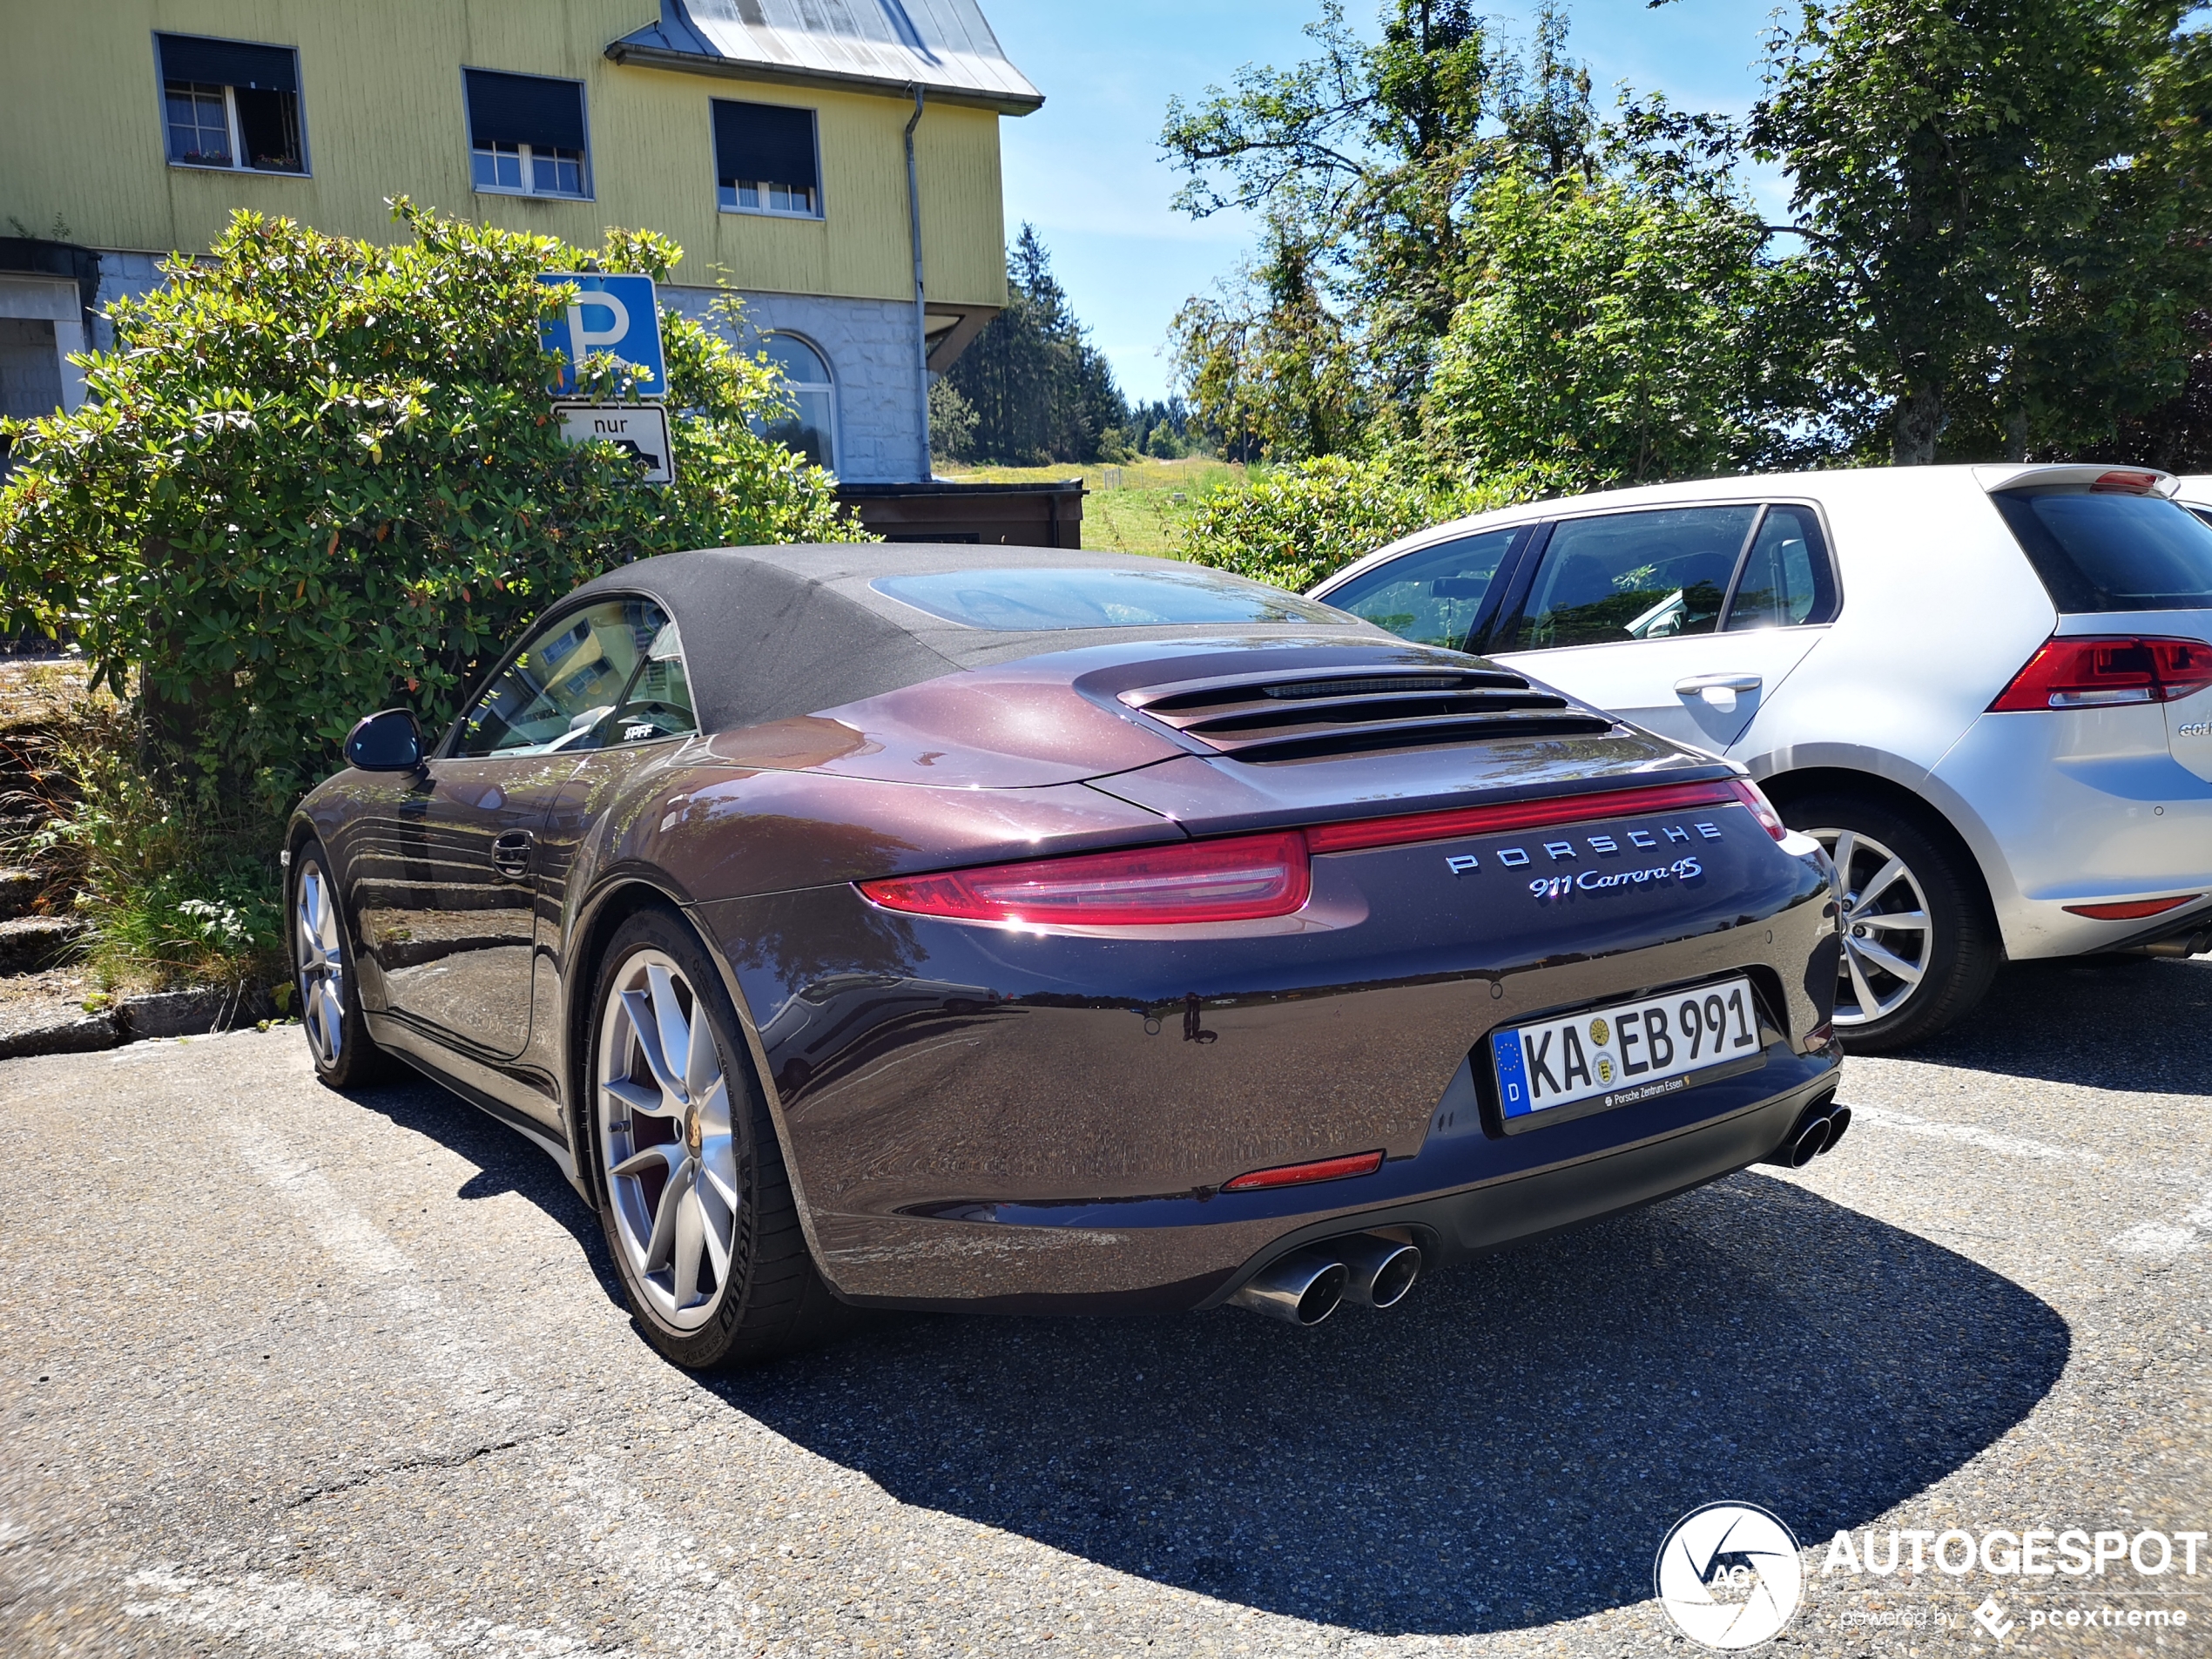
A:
[1309,716]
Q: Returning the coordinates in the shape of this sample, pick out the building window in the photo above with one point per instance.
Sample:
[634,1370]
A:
[226,103]
[526,134]
[810,428]
[766,160]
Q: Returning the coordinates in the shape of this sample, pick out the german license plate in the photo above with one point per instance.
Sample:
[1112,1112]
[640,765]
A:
[1631,1052]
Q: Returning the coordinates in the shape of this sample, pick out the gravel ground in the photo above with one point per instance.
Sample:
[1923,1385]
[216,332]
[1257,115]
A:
[283,1372]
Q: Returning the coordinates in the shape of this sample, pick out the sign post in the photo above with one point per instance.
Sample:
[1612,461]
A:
[619,316]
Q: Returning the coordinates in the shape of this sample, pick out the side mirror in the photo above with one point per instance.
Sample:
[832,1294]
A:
[391,741]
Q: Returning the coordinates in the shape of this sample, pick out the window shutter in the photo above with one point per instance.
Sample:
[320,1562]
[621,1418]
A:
[228,63]
[535,109]
[766,143]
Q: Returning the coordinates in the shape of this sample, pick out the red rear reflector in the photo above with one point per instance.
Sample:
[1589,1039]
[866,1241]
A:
[1298,1175]
[1526,814]
[1240,878]
[2089,673]
[2125,483]
[2134,910]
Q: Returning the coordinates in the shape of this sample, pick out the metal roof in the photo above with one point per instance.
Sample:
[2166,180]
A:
[943,46]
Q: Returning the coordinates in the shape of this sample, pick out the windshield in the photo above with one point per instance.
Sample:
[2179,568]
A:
[1023,601]
[2112,552]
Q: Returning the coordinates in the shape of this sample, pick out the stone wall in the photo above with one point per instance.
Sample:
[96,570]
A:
[869,345]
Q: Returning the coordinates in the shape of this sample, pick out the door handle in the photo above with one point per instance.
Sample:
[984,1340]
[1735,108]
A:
[511,853]
[1697,685]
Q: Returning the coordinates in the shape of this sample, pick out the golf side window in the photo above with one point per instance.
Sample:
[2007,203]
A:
[1786,581]
[1433,597]
[1620,578]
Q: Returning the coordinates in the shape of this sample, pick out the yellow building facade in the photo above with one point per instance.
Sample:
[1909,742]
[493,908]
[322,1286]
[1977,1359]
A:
[770,138]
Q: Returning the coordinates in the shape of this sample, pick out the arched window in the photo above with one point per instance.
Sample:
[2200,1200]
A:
[813,429]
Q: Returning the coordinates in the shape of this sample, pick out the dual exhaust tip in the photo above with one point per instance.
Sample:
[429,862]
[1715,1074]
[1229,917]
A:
[1369,1270]
[1309,1285]
[1817,1131]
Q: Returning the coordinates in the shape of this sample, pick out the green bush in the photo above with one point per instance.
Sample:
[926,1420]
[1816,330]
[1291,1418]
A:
[1293,525]
[317,476]
[174,893]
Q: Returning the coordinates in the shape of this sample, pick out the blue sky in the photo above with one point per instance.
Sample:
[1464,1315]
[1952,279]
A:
[1086,169]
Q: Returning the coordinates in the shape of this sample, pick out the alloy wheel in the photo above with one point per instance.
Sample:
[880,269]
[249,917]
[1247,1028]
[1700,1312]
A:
[665,1142]
[1889,937]
[322,966]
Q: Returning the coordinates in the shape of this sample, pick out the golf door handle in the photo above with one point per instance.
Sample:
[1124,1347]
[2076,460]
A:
[1697,684]
[511,853]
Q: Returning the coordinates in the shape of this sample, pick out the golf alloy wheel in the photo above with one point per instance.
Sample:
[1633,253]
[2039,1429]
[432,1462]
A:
[320,956]
[666,1144]
[1889,933]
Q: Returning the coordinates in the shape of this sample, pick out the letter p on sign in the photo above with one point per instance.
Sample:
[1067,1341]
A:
[619,315]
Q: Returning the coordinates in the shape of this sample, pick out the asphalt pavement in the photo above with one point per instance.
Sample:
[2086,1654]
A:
[283,1371]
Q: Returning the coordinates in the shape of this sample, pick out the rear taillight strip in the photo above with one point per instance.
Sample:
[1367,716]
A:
[1250,878]
[1456,822]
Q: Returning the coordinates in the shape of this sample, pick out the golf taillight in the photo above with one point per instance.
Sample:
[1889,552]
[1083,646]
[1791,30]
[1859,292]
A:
[2100,672]
[1240,878]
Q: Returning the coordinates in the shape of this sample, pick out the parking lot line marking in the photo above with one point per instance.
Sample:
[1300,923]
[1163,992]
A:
[2160,1239]
[303,1618]
[1987,1140]
[614,1523]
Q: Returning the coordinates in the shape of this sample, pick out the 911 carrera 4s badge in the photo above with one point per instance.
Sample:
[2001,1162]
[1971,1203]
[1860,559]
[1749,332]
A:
[1597,855]
[1561,887]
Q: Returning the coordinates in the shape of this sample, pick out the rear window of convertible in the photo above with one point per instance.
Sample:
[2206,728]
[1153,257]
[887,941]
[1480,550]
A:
[2112,552]
[1021,600]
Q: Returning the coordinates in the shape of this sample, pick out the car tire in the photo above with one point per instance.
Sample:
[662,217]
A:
[323,979]
[1953,948]
[693,1191]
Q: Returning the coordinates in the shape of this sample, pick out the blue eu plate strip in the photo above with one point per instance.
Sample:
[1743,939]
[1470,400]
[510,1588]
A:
[1512,1082]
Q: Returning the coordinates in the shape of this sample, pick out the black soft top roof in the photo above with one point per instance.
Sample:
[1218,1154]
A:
[769,632]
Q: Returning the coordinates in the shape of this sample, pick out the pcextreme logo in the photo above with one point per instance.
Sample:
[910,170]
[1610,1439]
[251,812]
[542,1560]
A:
[1728,1575]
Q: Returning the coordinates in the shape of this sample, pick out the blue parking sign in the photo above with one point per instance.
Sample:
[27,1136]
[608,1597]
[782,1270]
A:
[618,314]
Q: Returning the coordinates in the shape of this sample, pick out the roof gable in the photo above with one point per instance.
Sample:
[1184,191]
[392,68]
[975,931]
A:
[944,47]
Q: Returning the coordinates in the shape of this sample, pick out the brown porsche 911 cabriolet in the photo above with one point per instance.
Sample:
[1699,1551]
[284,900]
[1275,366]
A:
[1012,930]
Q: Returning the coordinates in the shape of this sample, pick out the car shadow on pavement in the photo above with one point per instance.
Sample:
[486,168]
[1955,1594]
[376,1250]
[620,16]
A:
[1504,1450]
[2102,1022]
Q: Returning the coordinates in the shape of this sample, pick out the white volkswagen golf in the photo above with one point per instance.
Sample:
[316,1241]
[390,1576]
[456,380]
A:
[1986,690]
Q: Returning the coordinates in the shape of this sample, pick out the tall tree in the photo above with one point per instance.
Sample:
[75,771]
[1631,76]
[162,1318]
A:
[1271,367]
[1039,391]
[1992,186]
[1364,159]
[1623,329]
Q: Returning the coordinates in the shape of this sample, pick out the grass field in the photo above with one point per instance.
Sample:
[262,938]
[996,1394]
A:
[1133,506]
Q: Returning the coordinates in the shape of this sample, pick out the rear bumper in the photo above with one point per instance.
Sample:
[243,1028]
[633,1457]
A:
[1022,1120]
[1167,1256]
[2085,806]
